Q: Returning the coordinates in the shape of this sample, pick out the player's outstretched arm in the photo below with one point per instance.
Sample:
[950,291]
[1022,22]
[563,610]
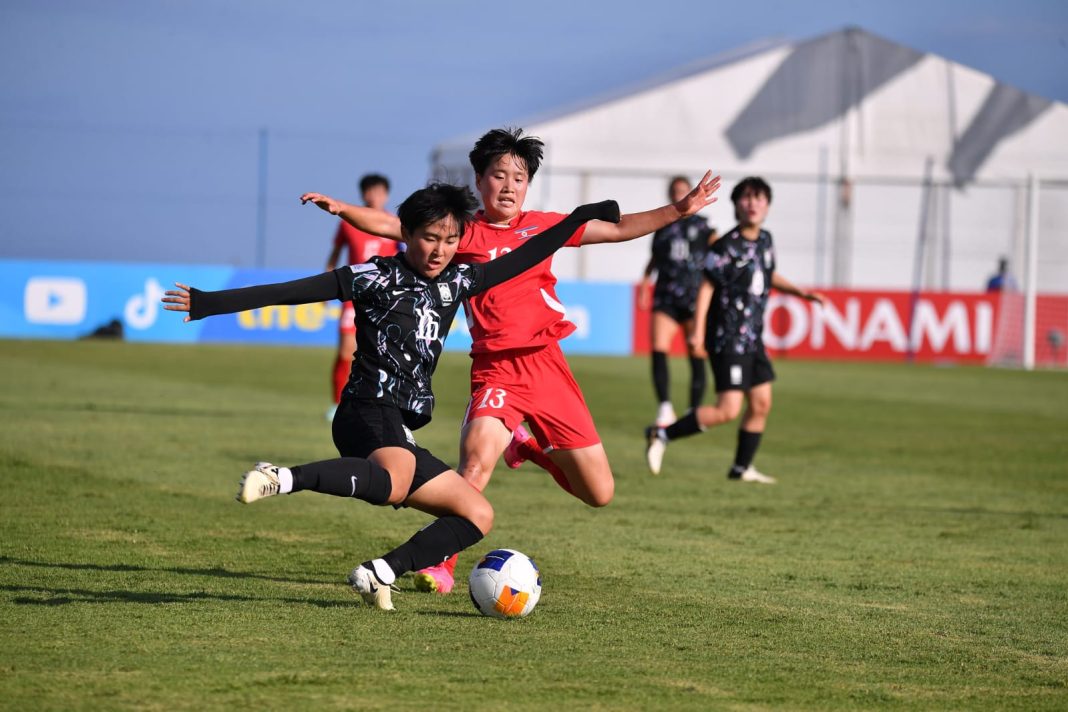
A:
[635,225]
[787,287]
[198,304]
[540,247]
[369,220]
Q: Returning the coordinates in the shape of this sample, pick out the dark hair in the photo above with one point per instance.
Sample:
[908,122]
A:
[371,180]
[754,184]
[678,179]
[508,141]
[435,202]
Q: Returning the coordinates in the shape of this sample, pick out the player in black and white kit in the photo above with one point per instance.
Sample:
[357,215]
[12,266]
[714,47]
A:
[678,251]
[739,272]
[404,307]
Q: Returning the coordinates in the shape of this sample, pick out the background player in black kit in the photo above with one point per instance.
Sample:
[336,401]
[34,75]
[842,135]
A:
[404,307]
[678,251]
[739,273]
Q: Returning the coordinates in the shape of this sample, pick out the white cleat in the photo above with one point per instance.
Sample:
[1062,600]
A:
[654,449]
[751,474]
[665,415]
[260,482]
[373,592]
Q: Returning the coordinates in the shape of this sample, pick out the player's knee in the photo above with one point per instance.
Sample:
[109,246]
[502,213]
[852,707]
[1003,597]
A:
[601,494]
[731,410]
[601,498]
[397,494]
[481,515]
[475,474]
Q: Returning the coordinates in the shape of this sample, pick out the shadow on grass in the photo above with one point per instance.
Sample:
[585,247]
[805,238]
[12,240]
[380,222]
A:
[63,596]
[217,572]
[450,614]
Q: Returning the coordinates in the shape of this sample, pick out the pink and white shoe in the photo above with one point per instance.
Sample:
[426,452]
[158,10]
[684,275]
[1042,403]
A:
[434,579]
[513,456]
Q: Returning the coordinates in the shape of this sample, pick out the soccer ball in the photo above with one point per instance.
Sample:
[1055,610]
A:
[505,584]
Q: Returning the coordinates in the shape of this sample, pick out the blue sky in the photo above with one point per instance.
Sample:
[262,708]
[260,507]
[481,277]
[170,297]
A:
[130,129]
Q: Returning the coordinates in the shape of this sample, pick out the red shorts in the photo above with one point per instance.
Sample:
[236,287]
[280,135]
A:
[534,385]
[346,323]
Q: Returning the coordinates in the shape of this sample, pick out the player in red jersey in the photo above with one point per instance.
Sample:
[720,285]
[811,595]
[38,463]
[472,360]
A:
[361,246]
[518,372]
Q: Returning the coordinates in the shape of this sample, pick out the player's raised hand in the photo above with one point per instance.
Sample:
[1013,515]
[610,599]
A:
[177,299]
[325,202]
[814,297]
[700,197]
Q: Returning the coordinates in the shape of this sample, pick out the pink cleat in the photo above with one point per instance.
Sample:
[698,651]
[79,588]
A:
[434,579]
[513,456]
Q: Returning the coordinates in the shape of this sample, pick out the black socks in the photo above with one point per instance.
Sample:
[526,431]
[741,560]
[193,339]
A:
[684,427]
[432,544]
[660,376]
[345,477]
[698,380]
[743,457]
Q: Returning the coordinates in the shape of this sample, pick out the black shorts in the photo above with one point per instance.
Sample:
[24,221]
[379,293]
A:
[361,426]
[740,372]
[680,313]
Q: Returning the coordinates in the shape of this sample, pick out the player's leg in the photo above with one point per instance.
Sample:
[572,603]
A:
[732,374]
[561,421]
[464,518]
[663,328]
[754,422]
[504,389]
[750,434]
[588,473]
[382,478]
[482,440]
[726,408]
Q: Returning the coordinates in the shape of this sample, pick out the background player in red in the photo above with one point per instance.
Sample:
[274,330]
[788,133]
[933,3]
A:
[358,246]
[518,371]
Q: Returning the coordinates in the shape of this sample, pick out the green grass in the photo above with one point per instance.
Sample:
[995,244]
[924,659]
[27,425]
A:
[913,556]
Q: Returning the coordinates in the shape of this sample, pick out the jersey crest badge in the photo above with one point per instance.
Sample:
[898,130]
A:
[445,293]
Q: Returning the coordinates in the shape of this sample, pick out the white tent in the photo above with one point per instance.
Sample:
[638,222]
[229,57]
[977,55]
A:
[889,166]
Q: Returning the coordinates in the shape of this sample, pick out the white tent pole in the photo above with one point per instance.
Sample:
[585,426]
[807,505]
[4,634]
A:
[821,216]
[1031,274]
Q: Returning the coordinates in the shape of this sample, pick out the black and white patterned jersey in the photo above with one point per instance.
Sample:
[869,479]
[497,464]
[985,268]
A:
[741,271]
[402,317]
[678,252]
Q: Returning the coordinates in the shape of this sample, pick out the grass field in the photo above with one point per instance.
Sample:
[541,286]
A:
[914,554]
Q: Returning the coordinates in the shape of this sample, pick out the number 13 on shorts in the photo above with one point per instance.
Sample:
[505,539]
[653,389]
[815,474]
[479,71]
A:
[491,398]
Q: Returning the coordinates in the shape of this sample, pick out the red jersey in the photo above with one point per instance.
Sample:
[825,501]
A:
[363,246]
[524,311]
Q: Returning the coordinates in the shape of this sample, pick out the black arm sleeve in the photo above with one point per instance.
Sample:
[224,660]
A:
[541,246]
[320,288]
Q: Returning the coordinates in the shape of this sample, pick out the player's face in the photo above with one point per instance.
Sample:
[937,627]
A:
[376,197]
[503,188]
[751,209]
[431,247]
[679,190]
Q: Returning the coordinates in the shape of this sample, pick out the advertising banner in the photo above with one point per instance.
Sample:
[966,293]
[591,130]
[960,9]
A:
[64,300]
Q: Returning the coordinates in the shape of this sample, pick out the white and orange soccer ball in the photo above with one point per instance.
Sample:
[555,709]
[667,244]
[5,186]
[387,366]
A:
[505,584]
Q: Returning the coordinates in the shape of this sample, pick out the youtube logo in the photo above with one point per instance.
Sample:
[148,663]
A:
[54,300]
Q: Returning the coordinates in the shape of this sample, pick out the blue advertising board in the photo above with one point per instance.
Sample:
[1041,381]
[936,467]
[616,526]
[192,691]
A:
[65,300]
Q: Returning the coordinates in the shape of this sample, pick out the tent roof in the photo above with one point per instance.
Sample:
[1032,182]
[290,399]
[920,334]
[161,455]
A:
[876,106]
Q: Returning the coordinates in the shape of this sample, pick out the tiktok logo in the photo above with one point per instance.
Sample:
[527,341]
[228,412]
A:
[140,312]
